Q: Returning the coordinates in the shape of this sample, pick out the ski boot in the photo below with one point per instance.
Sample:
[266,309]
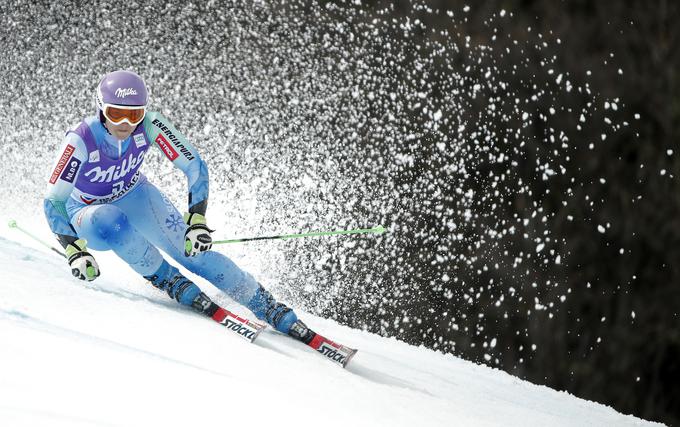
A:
[277,314]
[180,288]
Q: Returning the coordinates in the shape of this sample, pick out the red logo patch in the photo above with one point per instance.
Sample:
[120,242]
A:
[68,151]
[170,152]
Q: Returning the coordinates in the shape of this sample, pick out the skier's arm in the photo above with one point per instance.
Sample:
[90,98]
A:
[183,155]
[63,176]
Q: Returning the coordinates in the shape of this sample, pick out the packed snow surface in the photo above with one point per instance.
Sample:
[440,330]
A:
[117,352]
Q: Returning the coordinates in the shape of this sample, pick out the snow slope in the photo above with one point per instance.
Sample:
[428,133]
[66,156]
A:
[117,352]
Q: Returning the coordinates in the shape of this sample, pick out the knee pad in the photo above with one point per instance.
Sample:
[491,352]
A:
[108,219]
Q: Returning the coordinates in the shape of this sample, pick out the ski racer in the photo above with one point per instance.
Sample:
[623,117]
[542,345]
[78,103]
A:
[98,198]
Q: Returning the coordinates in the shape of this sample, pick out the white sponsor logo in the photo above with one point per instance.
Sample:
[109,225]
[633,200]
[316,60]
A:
[168,204]
[122,93]
[239,328]
[115,172]
[140,141]
[335,354]
[94,156]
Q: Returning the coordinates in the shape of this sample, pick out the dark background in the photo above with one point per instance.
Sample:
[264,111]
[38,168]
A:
[522,155]
[614,339]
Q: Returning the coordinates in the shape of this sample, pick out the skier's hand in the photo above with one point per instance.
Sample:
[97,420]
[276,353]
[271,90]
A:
[83,265]
[197,238]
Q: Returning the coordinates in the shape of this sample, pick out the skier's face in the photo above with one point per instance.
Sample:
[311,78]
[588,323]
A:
[121,131]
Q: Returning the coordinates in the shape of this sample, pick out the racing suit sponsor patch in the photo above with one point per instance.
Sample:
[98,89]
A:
[169,152]
[68,151]
[71,170]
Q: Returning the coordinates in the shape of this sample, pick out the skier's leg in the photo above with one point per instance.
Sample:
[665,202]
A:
[162,224]
[106,227]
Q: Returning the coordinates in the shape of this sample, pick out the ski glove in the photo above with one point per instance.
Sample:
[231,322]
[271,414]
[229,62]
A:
[83,265]
[197,238]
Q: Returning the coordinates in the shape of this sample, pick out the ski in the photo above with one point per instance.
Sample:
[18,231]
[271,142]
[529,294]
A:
[241,326]
[249,330]
[336,353]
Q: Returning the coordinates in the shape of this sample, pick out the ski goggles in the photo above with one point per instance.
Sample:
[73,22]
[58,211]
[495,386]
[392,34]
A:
[118,114]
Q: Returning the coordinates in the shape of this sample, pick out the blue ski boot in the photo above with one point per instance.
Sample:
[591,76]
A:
[167,278]
[275,313]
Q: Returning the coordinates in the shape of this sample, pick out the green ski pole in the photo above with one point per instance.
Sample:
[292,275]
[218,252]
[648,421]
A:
[377,230]
[13,224]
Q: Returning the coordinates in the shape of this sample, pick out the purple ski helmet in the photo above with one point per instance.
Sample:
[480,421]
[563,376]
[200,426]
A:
[121,97]
[123,88]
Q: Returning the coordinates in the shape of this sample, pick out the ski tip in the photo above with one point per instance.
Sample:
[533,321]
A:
[255,335]
[336,353]
[259,327]
[12,223]
[349,357]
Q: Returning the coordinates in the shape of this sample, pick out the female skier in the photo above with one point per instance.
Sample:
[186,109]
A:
[97,196]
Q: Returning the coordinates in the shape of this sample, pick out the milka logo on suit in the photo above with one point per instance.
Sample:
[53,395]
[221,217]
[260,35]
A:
[115,172]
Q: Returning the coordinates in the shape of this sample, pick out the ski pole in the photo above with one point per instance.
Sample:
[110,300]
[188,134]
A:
[13,224]
[377,230]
